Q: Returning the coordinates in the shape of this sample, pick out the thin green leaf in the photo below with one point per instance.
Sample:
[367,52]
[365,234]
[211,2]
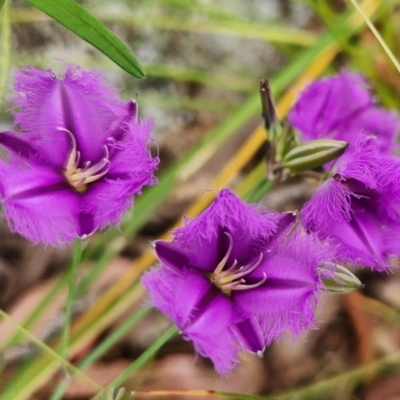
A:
[145,357]
[111,339]
[78,20]
[5,46]
[377,35]
[49,359]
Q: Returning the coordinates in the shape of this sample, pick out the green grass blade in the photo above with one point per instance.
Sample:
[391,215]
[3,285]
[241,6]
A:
[113,338]
[50,359]
[5,46]
[72,271]
[35,314]
[102,348]
[144,358]
[377,35]
[78,20]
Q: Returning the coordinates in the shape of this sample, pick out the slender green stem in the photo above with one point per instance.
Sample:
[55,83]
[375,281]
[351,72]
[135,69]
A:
[145,357]
[101,349]
[76,258]
[5,46]
[112,338]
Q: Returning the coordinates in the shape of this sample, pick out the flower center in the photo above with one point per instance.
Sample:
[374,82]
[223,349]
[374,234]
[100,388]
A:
[233,277]
[80,177]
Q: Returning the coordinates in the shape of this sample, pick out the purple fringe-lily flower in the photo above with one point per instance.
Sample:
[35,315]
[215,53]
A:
[230,284]
[357,208]
[82,159]
[341,107]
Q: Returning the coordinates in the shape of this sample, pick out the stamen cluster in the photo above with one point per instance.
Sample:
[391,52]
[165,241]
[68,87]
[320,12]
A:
[232,278]
[80,177]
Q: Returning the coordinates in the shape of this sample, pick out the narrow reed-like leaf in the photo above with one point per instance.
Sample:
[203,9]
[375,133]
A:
[5,45]
[37,312]
[377,35]
[49,359]
[78,20]
[72,272]
[102,348]
[112,338]
[144,358]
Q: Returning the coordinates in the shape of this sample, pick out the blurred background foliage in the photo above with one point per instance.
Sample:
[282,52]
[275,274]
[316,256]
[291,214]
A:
[203,61]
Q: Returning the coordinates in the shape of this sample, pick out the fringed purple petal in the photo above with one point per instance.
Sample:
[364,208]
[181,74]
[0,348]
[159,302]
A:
[287,299]
[373,121]
[194,303]
[206,238]
[20,147]
[90,109]
[117,129]
[391,241]
[340,107]
[355,175]
[199,310]
[365,239]
[329,204]
[229,214]
[80,103]
[86,225]
[221,348]
[329,103]
[389,175]
[361,162]
[388,200]
[41,112]
[38,204]
[132,167]
[171,257]
[250,335]
[356,206]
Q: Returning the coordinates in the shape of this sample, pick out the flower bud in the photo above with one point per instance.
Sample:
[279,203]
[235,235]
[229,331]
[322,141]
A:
[313,154]
[342,281]
[271,120]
